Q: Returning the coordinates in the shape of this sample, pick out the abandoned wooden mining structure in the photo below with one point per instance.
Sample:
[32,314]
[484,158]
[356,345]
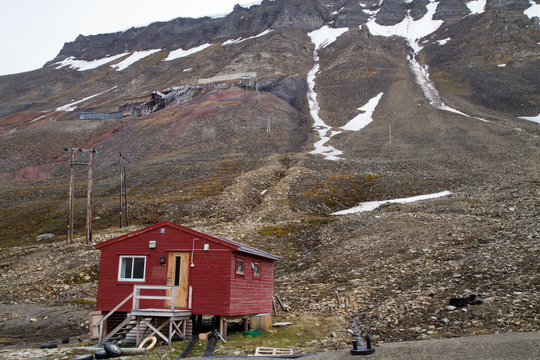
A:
[161,280]
[71,196]
[160,99]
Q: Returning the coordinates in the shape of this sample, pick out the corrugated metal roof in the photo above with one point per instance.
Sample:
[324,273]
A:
[235,245]
[250,250]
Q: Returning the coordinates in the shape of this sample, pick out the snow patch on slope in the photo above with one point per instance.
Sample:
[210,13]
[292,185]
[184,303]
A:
[536,118]
[133,58]
[477,6]
[325,36]
[239,40]
[372,205]
[413,31]
[83,65]
[421,74]
[533,11]
[180,53]
[71,107]
[321,38]
[362,120]
[410,29]
[443,41]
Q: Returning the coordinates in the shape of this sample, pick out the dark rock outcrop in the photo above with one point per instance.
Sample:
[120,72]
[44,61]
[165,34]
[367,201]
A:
[186,33]
[392,12]
[351,14]
[451,9]
[178,33]
[417,8]
[292,89]
[510,4]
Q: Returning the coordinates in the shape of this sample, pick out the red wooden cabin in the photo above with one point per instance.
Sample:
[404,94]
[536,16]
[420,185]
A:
[205,275]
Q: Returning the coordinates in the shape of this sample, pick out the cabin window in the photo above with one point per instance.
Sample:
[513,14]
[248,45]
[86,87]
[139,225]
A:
[256,270]
[132,268]
[240,266]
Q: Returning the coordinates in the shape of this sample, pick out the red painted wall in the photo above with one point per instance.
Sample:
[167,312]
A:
[251,294]
[216,289]
[210,280]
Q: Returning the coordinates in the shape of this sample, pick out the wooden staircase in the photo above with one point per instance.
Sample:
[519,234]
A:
[165,324]
[128,334]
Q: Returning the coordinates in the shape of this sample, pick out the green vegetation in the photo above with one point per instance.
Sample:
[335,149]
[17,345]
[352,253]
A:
[445,83]
[303,335]
[279,230]
[337,191]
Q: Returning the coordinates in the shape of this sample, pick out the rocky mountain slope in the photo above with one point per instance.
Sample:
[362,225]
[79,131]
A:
[351,102]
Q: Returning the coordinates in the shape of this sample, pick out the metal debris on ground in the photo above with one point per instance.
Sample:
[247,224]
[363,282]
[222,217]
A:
[363,350]
[473,299]
[281,324]
[266,351]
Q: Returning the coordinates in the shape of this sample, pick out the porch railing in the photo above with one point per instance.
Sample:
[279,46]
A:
[136,295]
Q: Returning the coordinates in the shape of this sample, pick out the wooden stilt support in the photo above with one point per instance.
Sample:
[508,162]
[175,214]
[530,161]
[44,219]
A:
[223,327]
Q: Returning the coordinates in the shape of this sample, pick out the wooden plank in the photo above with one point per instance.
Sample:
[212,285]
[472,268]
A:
[180,332]
[181,314]
[157,330]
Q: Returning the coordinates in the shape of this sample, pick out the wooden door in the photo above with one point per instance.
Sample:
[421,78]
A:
[177,275]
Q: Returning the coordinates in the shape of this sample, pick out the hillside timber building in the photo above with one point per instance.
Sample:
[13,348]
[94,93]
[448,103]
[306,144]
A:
[161,276]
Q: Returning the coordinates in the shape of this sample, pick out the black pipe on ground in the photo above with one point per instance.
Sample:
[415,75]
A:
[212,340]
[189,346]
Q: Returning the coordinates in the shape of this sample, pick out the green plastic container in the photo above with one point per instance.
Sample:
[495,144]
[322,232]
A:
[252,333]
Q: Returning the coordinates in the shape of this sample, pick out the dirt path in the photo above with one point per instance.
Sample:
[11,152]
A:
[30,324]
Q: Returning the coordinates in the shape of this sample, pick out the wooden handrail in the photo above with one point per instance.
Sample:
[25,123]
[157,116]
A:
[100,324]
[137,294]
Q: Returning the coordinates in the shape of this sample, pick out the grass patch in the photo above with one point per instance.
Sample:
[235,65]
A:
[305,335]
[278,231]
[334,192]
[85,301]
[446,83]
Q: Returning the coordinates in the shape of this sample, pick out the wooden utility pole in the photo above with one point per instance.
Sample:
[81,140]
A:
[71,200]
[123,189]
[89,201]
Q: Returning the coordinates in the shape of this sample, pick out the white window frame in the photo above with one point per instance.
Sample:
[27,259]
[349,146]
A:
[255,266]
[243,266]
[133,257]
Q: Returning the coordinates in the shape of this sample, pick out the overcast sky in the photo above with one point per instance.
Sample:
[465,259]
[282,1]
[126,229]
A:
[32,32]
